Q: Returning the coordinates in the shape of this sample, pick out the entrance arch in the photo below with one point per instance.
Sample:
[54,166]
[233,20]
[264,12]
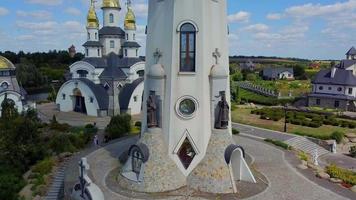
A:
[79,101]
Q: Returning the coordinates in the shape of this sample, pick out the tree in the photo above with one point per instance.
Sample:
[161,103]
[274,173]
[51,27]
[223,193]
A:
[8,110]
[251,77]
[28,75]
[238,96]
[299,71]
[119,126]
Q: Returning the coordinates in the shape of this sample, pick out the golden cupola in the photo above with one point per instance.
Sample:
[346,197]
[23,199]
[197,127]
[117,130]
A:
[130,19]
[92,18]
[111,4]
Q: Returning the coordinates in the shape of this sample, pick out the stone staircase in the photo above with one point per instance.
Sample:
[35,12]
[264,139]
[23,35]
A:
[303,144]
[56,191]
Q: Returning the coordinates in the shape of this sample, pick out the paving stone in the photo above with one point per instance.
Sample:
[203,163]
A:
[302,167]
[323,175]
[335,180]
[353,188]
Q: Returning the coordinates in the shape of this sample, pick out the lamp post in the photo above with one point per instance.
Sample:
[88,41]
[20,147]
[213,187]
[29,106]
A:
[285,117]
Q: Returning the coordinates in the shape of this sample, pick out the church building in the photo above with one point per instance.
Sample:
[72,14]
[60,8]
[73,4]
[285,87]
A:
[9,86]
[336,87]
[109,80]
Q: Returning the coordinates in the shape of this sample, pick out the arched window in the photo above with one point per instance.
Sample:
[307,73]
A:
[98,52]
[4,85]
[111,16]
[96,35]
[187,47]
[125,52]
[82,73]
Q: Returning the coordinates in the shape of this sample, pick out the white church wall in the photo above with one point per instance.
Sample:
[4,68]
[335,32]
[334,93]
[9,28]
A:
[66,101]
[131,52]
[16,97]
[331,89]
[132,72]
[135,104]
[108,48]
[185,84]
[106,17]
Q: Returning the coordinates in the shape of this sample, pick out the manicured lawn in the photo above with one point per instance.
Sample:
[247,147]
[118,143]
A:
[244,116]
[297,87]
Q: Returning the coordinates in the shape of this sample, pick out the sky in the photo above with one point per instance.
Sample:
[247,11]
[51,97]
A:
[312,29]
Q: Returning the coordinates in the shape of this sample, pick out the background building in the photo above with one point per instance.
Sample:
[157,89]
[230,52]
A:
[9,87]
[278,73]
[109,80]
[336,87]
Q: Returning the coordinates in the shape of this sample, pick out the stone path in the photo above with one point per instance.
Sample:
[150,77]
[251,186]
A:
[297,142]
[56,190]
[46,112]
[285,182]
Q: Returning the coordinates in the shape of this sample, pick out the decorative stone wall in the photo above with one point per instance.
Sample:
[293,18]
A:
[212,175]
[330,103]
[160,172]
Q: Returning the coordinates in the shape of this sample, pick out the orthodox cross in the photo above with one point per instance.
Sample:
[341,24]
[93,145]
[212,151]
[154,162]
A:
[128,3]
[157,54]
[216,55]
[81,177]
[93,2]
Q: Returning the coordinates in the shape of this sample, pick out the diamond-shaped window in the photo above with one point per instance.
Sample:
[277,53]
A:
[186,153]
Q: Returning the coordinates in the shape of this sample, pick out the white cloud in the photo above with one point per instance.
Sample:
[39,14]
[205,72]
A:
[73,11]
[41,14]
[3,11]
[140,9]
[241,16]
[25,37]
[46,2]
[310,9]
[274,16]
[256,28]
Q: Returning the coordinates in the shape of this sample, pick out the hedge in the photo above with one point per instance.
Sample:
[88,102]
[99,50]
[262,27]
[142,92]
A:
[345,175]
[278,143]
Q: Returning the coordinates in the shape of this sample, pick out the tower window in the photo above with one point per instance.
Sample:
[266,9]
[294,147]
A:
[87,52]
[112,44]
[111,17]
[96,36]
[136,52]
[127,36]
[350,91]
[134,36]
[98,52]
[82,73]
[187,47]
[125,52]
[88,36]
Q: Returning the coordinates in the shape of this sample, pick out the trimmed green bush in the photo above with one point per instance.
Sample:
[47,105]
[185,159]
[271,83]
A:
[353,151]
[278,143]
[338,136]
[345,175]
[138,124]
[44,167]
[119,126]
[235,131]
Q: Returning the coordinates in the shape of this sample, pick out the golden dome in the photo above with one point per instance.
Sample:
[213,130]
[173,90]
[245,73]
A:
[111,4]
[130,20]
[92,18]
[5,64]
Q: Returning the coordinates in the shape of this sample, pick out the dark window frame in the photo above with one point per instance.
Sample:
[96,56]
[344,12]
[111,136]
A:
[318,102]
[187,51]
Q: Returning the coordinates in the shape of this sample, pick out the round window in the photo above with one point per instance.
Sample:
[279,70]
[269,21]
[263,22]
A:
[339,89]
[186,107]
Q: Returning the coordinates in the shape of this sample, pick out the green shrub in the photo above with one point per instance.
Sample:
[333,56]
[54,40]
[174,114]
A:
[353,151]
[345,175]
[235,131]
[138,124]
[10,184]
[303,156]
[60,143]
[44,167]
[338,136]
[119,126]
[278,143]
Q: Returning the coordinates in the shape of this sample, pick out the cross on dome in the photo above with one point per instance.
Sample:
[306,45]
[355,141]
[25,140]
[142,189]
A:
[157,54]
[216,55]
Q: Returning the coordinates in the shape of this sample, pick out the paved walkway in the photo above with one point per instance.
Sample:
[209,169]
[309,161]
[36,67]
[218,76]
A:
[47,110]
[285,182]
[259,133]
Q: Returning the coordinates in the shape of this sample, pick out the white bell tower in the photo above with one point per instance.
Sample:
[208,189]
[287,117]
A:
[186,126]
